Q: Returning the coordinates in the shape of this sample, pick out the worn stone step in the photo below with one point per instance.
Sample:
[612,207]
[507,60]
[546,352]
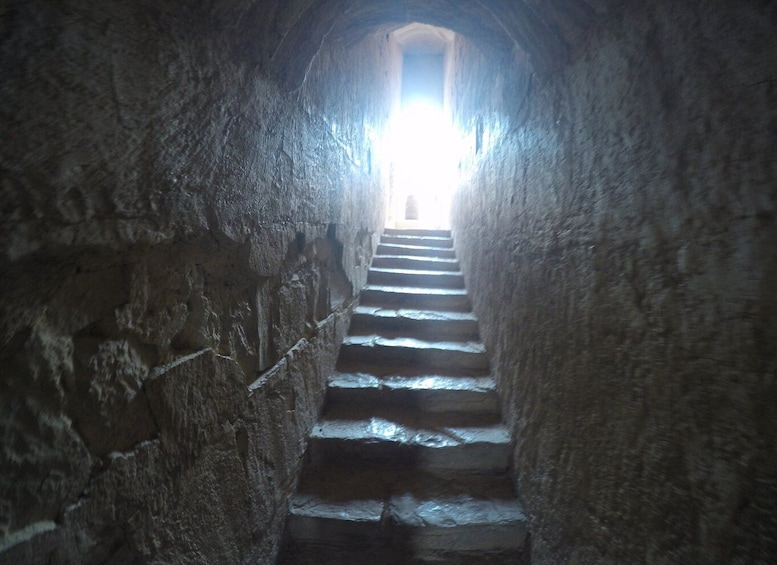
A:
[441,529]
[416,278]
[428,324]
[426,393]
[456,529]
[404,351]
[444,242]
[313,517]
[393,514]
[417,232]
[414,263]
[453,299]
[384,370]
[381,499]
[415,250]
[421,444]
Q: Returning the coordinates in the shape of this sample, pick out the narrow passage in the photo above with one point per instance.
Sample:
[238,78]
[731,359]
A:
[410,462]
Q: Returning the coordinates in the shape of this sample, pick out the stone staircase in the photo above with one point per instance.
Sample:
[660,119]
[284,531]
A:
[410,462]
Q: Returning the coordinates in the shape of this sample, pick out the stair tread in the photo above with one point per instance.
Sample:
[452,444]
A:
[409,510]
[421,259]
[484,384]
[417,314]
[385,370]
[415,290]
[438,395]
[374,340]
[421,432]
[324,506]
[443,265]
[408,244]
[446,264]
[415,250]
[418,238]
[435,232]
[441,274]
[426,394]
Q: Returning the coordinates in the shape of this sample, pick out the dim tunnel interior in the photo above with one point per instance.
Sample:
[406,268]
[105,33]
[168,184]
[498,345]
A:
[191,201]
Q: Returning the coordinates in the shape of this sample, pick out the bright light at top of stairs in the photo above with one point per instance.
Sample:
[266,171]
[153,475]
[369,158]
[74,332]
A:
[424,149]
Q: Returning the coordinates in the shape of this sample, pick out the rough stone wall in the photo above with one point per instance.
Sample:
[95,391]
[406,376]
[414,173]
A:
[618,235]
[181,243]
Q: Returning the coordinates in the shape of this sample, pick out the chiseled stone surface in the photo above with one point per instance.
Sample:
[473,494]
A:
[187,189]
[179,247]
[618,238]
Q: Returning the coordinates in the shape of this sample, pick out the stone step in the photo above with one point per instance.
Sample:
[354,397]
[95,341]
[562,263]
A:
[444,529]
[444,242]
[426,393]
[383,370]
[425,324]
[315,517]
[415,250]
[458,530]
[417,232]
[415,278]
[413,442]
[468,355]
[455,300]
[414,263]
[395,515]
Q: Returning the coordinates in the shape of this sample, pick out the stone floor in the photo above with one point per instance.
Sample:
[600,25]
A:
[410,462]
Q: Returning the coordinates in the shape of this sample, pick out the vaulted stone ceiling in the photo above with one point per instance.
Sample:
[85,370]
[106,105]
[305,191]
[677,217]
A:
[547,30]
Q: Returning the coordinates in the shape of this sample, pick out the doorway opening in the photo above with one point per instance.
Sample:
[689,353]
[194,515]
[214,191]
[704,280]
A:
[423,143]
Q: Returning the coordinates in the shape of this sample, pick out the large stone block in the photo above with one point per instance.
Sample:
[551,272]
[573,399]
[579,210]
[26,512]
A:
[107,399]
[193,397]
[44,466]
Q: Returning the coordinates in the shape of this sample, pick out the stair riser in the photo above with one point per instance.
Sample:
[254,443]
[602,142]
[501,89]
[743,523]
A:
[442,280]
[432,401]
[433,358]
[331,531]
[416,251]
[443,544]
[434,330]
[454,303]
[390,262]
[318,540]
[469,458]
[417,233]
[445,243]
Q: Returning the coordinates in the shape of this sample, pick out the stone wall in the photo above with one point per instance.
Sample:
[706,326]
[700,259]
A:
[181,241]
[618,232]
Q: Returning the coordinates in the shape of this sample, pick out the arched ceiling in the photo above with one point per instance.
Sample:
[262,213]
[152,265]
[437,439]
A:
[545,29]
[423,38]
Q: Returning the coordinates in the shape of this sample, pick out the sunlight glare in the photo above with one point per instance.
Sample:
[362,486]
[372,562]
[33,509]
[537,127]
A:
[424,157]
